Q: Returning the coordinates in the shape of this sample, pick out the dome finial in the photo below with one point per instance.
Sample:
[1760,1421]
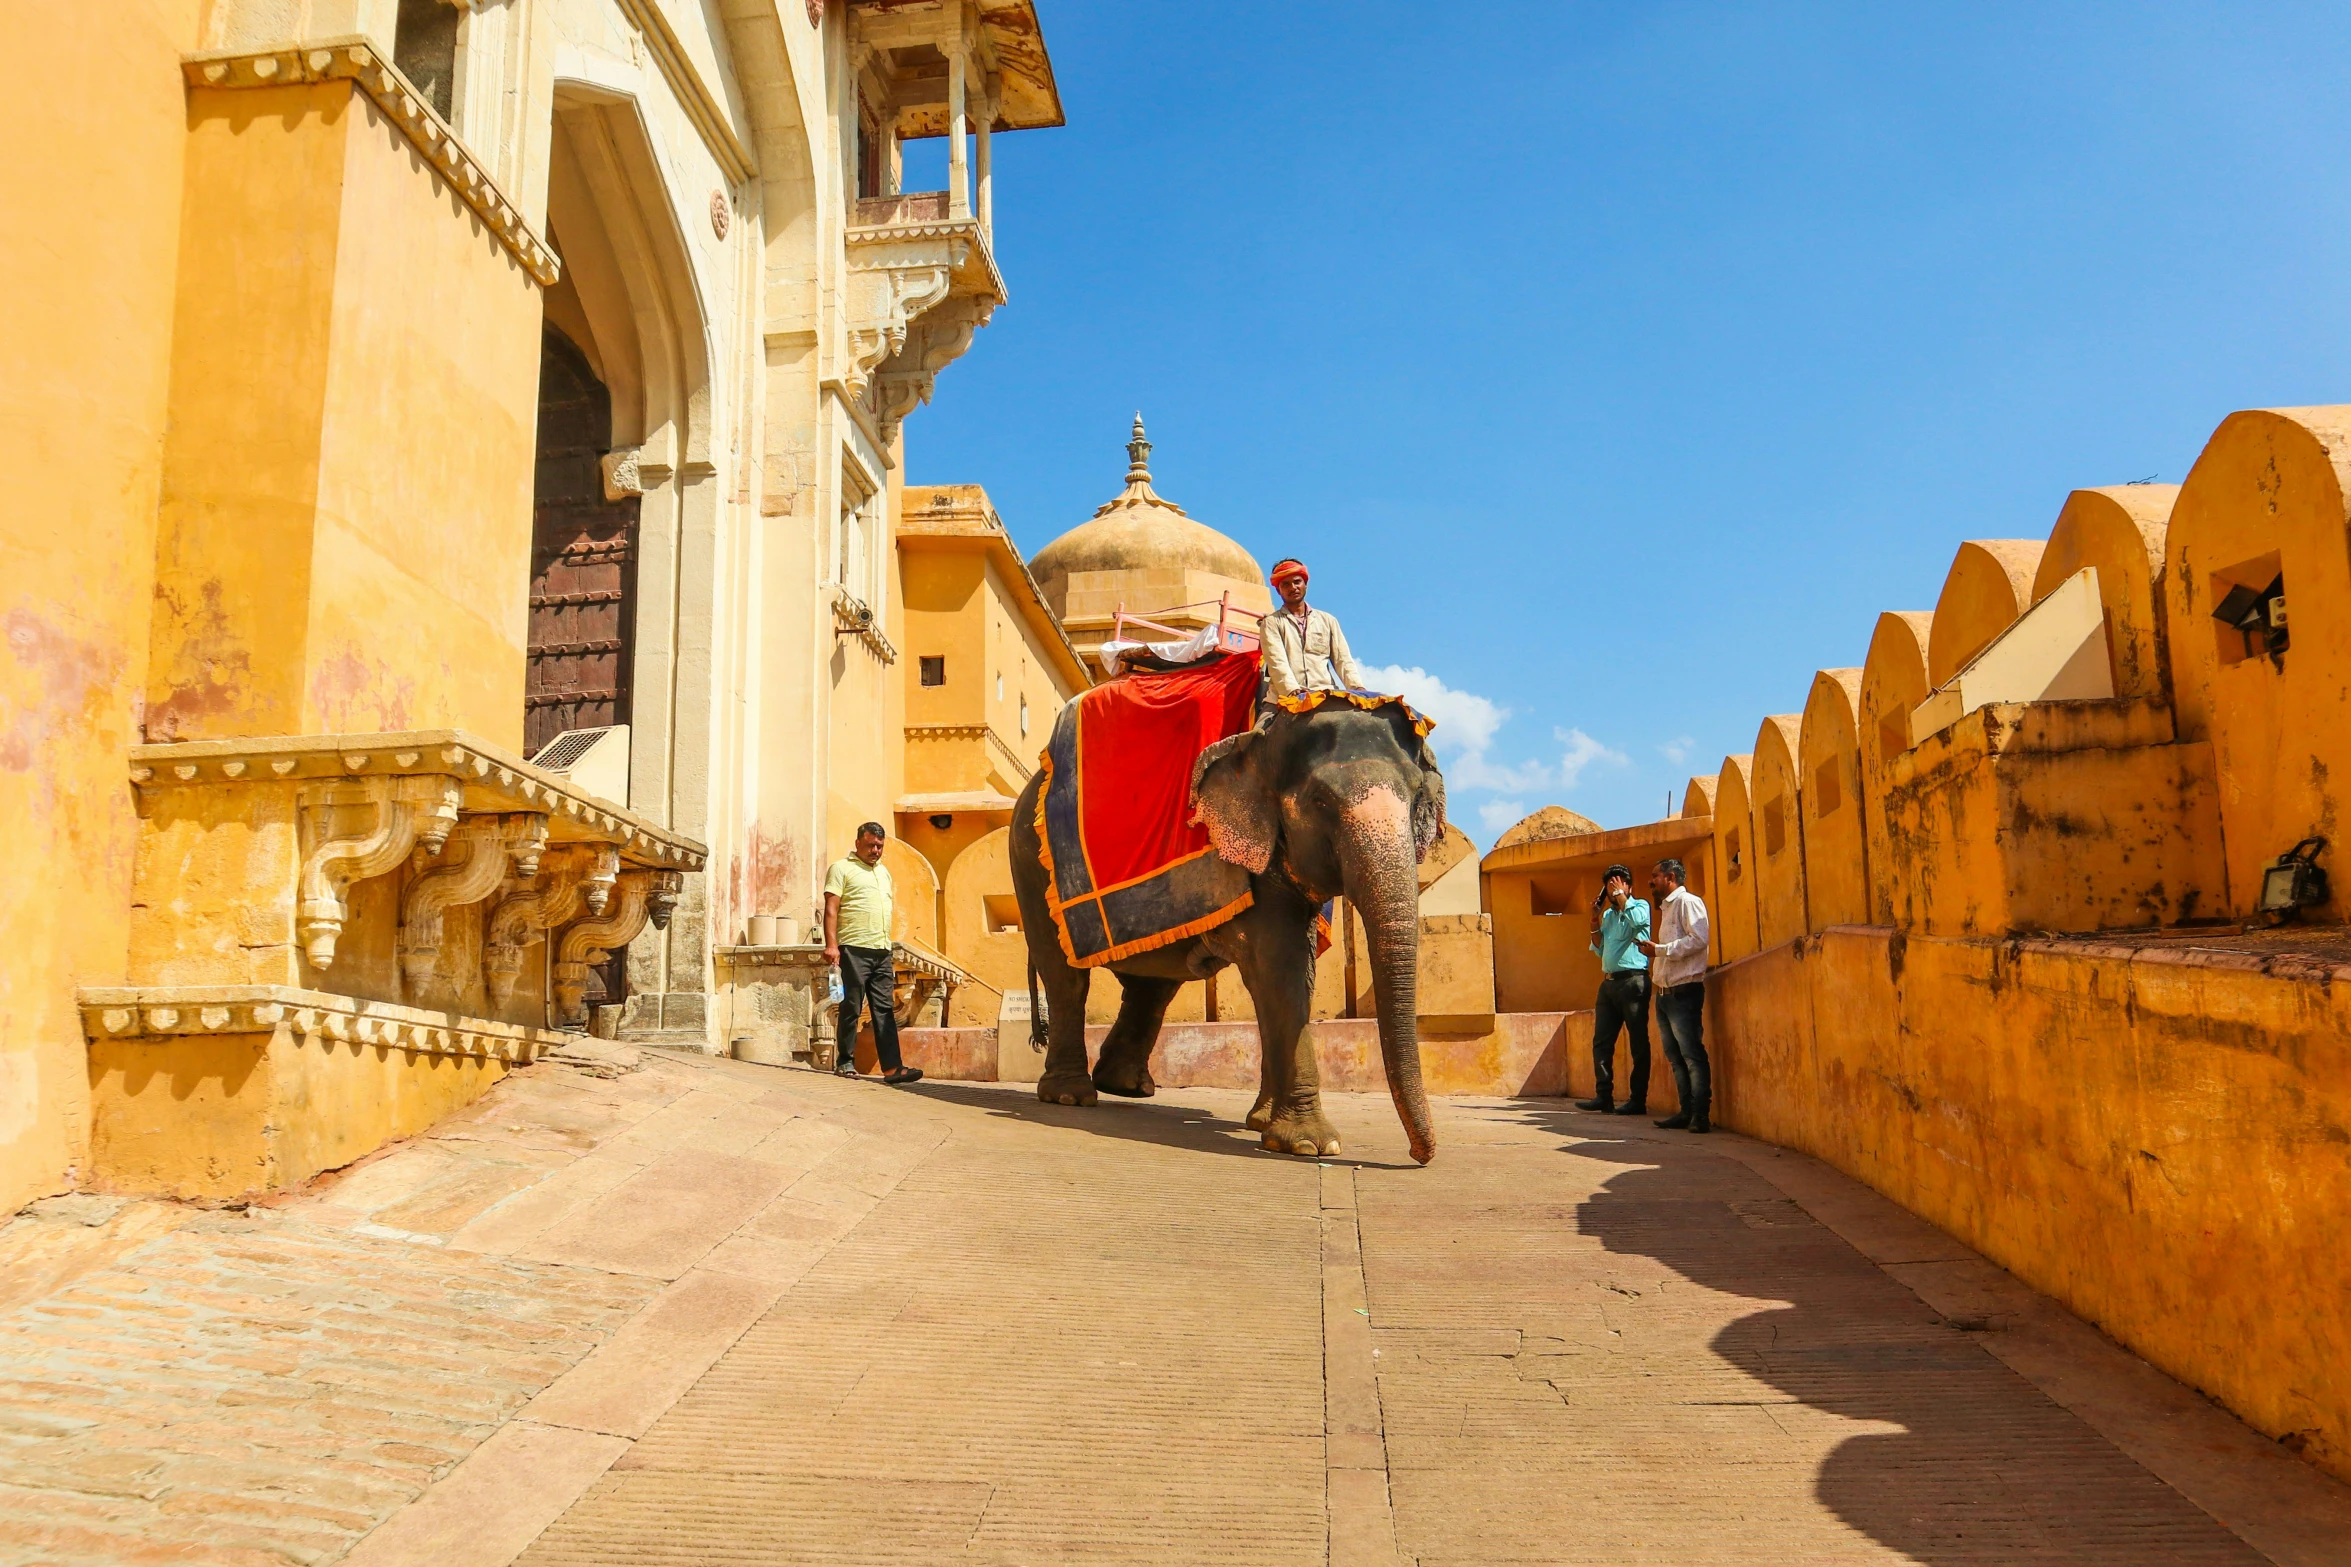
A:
[1138,454]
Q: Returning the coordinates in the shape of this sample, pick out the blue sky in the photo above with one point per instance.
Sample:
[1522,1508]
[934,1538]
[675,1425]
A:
[1615,365]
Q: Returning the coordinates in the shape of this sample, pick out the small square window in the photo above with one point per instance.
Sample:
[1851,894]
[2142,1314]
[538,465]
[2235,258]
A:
[934,670]
[1827,793]
[1024,715]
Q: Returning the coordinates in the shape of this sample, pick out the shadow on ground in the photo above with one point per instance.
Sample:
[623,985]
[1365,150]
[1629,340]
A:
[1160,1122]
[1985,1469]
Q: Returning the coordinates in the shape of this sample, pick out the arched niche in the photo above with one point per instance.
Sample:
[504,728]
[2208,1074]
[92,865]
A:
[2265,502]
[1734,860]
[1989,584]
[1893,681]
[2119,531]
[983,936]
[1836,840]
[914,906]
[1698,796]
[1778,808]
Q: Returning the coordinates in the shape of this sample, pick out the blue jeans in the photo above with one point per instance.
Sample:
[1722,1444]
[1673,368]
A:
[1681,1028]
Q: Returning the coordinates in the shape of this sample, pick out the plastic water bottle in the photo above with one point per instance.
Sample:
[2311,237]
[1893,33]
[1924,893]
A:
[834,995]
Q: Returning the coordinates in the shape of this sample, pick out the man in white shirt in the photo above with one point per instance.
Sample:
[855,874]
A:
[1304,648]
[1677,976]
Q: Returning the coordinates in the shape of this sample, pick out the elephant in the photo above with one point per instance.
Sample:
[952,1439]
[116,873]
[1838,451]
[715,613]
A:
[1337,800]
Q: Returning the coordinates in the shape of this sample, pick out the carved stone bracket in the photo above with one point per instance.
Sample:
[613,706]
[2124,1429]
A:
[570,880]
[156,1014]
[481,854]
[917,291]
[589,942]
[359,828]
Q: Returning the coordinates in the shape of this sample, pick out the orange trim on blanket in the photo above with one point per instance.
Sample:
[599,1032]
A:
[1045,853]
[1308,701]
[1164,938]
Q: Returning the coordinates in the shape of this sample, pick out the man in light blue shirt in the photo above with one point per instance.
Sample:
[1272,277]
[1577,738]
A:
[1620,925]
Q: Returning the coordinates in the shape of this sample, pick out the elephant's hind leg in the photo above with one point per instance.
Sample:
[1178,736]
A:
[1064,1080]
[1124,1066]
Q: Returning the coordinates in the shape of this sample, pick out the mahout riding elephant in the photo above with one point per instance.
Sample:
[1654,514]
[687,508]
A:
[1341,800]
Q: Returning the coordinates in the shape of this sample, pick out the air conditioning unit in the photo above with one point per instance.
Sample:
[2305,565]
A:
[593,760]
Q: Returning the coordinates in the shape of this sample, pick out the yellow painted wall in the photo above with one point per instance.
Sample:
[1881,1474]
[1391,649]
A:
[1989,584]
[2155,1138]
[221,1116]
[2268,495]
[1893,681]
[2058,816]
[345,539]
[2119,532]
[98,119]
[1734,859]
[1836,863]
[1778,808]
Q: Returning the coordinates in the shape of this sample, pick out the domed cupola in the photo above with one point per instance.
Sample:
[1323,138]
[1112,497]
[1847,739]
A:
[1145,555]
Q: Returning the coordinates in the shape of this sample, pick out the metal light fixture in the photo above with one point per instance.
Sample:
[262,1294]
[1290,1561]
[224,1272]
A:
[943,821]
[2258,613]
[2295,882]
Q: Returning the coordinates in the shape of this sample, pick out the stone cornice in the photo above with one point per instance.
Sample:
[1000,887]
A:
[157,1012]
[490,779]
[355,60]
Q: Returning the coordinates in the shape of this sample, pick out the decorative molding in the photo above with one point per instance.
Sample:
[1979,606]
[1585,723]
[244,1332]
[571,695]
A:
[703,108]
[477,861]
[312,1017]
[588,942]
[569,882]
[493,780]
[355,60]
[355,829]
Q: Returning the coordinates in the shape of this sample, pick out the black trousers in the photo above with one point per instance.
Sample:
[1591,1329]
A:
[1623,1004]
[869,981]
[1681,1028]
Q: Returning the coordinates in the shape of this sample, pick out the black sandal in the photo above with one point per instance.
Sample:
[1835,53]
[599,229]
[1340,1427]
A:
[903,1076]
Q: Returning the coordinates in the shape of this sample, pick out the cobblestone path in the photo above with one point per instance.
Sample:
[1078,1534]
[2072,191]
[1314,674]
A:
[700,1312]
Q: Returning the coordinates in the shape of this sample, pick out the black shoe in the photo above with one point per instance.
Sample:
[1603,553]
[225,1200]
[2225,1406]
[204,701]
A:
[903,1076]
[1632,1107]
[1675,1122]
[1601,1105]
[1699,1123]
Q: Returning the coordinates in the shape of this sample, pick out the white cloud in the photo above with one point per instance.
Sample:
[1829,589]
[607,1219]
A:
[1582,752]
[1466,722]
[1677,750]
[1473,771]
[1499,816]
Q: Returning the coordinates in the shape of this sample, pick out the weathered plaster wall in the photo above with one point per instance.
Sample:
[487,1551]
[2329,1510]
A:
[1778,808]
[94,208]
[346,517]
[2119,531]
[1893,681]
[1734,911]
[2157,1138]
[1989,584]
[1836,856]
[2268,497]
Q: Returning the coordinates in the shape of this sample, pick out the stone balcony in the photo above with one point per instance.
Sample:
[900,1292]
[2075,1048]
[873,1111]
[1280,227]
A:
[337,938]
[921,283]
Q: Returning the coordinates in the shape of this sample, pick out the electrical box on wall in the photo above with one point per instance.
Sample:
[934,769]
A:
[596,760]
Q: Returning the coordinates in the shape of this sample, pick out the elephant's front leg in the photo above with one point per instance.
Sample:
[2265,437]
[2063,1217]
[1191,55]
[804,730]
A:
[1277,964]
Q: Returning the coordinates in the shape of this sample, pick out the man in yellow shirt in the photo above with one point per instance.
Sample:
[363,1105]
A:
[857,941]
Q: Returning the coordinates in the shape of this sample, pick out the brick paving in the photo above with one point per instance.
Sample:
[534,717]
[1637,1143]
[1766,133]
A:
[700,1312]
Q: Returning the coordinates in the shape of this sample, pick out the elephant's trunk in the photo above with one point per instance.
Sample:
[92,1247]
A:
[1383,886]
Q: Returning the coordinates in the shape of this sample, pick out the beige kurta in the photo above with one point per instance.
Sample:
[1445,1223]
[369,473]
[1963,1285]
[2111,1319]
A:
[1312,657]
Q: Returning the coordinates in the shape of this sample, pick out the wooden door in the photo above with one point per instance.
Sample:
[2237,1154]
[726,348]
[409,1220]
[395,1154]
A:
[583,559]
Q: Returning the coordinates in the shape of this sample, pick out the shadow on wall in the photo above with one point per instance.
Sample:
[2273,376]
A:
[1968,1463]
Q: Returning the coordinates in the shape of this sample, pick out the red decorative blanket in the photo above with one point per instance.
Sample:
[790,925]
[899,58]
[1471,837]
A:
[1128,871]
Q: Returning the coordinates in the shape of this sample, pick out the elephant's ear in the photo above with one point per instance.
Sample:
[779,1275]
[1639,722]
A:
[1233,799]
[1428,806]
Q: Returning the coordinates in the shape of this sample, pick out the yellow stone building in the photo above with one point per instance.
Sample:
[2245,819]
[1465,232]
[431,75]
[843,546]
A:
[419,380]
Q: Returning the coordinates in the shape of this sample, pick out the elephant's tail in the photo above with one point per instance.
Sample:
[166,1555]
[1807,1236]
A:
[1037,1031]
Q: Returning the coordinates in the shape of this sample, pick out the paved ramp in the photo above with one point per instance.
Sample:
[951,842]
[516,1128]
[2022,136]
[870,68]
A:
[702,1312]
